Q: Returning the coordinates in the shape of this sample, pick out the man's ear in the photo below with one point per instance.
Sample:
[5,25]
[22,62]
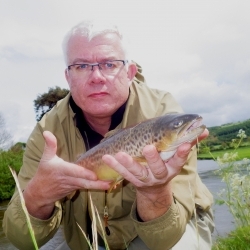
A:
[132,69]
[66,73]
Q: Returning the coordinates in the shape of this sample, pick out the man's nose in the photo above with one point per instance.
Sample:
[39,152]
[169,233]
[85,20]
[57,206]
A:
[96,74]
[95,65]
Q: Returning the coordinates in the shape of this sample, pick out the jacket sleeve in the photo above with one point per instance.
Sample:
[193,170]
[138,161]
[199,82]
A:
[14,222]
[163,231]
[167,229]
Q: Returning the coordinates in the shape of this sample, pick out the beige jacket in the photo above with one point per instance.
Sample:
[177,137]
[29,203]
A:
[143,103]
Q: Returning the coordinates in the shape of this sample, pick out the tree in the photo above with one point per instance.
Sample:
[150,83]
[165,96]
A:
[45,102]
[18,147]
[5,136]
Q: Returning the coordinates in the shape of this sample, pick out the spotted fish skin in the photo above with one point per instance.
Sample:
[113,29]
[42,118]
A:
[166,132]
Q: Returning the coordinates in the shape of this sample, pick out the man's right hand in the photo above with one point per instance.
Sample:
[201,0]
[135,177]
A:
[55,179]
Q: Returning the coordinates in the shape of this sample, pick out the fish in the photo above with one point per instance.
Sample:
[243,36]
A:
[166,133]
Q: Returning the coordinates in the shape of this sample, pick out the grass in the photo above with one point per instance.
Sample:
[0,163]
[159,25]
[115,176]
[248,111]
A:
[238,239]
[243,152]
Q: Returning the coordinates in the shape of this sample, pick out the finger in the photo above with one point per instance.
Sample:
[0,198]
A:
[175,164]
[123,164]
[155,163]
[87,184]
[183,151]
[50,147]
[201,137]
[204,135]
[76,171]
[80,183]
[140,171]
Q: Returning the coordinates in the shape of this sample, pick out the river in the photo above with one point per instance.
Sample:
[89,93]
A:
[223,219]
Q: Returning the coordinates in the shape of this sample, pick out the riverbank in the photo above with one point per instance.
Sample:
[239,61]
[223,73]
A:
[243,152]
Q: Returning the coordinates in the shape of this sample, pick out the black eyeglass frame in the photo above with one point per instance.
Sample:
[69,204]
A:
[97,64]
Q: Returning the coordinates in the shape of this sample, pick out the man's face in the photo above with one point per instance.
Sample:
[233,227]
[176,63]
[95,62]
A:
[97,94]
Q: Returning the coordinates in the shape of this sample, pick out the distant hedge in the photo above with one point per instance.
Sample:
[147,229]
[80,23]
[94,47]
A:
[11,158]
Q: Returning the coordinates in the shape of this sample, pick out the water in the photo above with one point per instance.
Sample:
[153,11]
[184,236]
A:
[224,222]
[223,219]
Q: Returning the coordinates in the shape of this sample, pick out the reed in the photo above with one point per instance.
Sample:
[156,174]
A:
[96,218]
[31,231]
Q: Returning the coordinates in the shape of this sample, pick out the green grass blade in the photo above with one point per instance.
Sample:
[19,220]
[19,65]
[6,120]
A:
[94,226]
[87,239]
[24,208]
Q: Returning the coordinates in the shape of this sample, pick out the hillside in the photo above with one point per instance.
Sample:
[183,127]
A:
[223,135]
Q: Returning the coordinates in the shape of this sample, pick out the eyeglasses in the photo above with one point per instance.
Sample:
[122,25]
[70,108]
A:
[107,68]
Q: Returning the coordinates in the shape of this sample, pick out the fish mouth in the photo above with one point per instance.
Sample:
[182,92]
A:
[188,132]
[191,130]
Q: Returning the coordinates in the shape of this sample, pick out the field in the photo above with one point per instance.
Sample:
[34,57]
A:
[243,152]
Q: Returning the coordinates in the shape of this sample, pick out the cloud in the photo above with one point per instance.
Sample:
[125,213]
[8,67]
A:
[197,50]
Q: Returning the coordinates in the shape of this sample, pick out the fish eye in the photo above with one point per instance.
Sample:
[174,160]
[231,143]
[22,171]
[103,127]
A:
[177,124]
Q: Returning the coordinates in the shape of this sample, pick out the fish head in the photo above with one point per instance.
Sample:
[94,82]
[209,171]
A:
[175,129]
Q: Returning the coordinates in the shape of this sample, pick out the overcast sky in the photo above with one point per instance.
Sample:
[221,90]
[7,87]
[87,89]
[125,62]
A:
[197,50]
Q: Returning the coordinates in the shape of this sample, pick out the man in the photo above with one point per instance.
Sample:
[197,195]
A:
[157,207]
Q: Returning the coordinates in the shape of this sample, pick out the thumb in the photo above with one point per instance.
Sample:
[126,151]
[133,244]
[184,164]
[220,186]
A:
[50,147]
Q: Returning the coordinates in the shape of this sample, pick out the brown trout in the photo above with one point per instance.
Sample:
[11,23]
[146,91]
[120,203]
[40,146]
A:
[166,132]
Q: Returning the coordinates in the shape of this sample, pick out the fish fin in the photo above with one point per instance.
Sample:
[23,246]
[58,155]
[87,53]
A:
[117,131]
[114,184]
[140,159]
[78,156]
[111,133]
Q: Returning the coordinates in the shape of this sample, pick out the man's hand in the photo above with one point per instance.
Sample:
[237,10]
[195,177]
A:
[153,180]
[55,179]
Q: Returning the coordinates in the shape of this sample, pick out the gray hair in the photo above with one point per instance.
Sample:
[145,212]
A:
[91,29]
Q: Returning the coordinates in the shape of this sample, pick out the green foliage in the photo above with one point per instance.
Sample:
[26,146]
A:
[216,144]
[236,175]
[45,102]
[18,147]
[7,183]
[243,152]
[236,195]
[238,239]
[223,135]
